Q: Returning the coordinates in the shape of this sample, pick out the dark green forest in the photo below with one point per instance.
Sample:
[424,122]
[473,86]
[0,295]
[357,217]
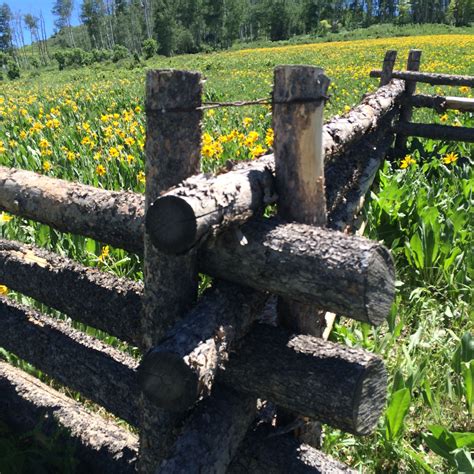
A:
[113,29]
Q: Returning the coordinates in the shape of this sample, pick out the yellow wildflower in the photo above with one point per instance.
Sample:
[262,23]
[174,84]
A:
[141,177]
[251,138]
[113,152]
[100,170]
[207,150]
[71,156]
[450,158]
[407,161]
[130,141]
[130,158]
[3,290]
[47,166]
[4,217]
[257,151]
[138,109]
[444,118]
[269,137]
[347,108]
[23,134]
[12,143]
[464,89]
[247,121]
[104,254]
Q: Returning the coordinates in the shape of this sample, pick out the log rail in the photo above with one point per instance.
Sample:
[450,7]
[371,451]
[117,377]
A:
[194,394]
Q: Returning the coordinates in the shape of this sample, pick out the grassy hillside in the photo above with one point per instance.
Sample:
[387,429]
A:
[87,124]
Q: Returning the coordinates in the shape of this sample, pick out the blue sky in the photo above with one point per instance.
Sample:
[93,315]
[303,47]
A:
[35,6]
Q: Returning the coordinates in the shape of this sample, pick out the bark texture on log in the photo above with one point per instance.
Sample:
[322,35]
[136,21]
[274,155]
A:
[182,368]
[347,275]
[265,451]
[340,133]
[99,445]
[340,386]
[173,150]
[441,104]
[211,436]
[88,295]
[429,78]
[203,204]
[108,216]
[438,132]
[101,373]
[350,177]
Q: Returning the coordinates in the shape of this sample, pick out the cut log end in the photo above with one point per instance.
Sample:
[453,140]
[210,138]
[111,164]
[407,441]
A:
[380,286]
[160,369]
[171,225]
[369,398]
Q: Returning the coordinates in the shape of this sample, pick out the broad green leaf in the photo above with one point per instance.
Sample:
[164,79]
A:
[468,376]
[396,412]
[416,247]
[463,461]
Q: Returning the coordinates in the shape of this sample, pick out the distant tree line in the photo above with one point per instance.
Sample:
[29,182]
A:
[112,28]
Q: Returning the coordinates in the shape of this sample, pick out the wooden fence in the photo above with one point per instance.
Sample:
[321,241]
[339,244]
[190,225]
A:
[197,397]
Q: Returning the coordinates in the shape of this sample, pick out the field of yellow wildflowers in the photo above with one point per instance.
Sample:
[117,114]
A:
[88,125]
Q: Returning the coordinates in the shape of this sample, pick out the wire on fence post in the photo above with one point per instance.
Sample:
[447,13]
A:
[173,147]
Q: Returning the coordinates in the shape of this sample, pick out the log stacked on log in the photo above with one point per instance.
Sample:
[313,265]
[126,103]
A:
[439,103]
[101,373]
[429,78]
[88,295]
[438,132]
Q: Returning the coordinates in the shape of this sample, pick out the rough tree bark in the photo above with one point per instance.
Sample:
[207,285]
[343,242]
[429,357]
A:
[182,368]
[387,67]
[100,446]
[340,386]
[108,216]
[266,451]
[95,298]
[212,434]
[101,373]
[173,149]
[184,216]
[347,275]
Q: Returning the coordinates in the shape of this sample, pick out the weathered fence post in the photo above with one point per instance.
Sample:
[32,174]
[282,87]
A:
[387,67]
[406,112]
[172,155]
[299,95]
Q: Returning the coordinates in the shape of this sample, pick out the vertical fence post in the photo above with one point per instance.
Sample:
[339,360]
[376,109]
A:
[299,95]
[387,67]
[172,155]
[406,112]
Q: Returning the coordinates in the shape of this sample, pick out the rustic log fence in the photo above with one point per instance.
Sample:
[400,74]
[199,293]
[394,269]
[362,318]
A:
[197,397]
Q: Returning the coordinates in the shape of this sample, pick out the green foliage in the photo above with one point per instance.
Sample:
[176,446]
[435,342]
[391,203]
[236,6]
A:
[149,48]
[13,70]
[119,52]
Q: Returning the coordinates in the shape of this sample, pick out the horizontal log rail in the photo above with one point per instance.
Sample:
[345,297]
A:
[347,275]
[440,103]
[265,450]
[429,78]
[88,295]
[340,386]
[101,373]
[182,368]
[100,446]
[438,132]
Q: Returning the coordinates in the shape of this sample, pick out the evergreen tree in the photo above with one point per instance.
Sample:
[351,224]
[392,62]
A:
[165,27]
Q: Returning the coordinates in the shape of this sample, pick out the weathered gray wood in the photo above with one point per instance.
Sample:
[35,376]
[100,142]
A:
[341,133]
[211,436]
[430,78]
[173,149]
[347,275]
[200,205]
[387,67]
[406,111]
[118,218]
[99,445]
[182,368]
[350,177]
[299,94]
[441,104]
[265,451]
[101,373]
[95,298]
[341,386]
[108,216]
[438,132]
